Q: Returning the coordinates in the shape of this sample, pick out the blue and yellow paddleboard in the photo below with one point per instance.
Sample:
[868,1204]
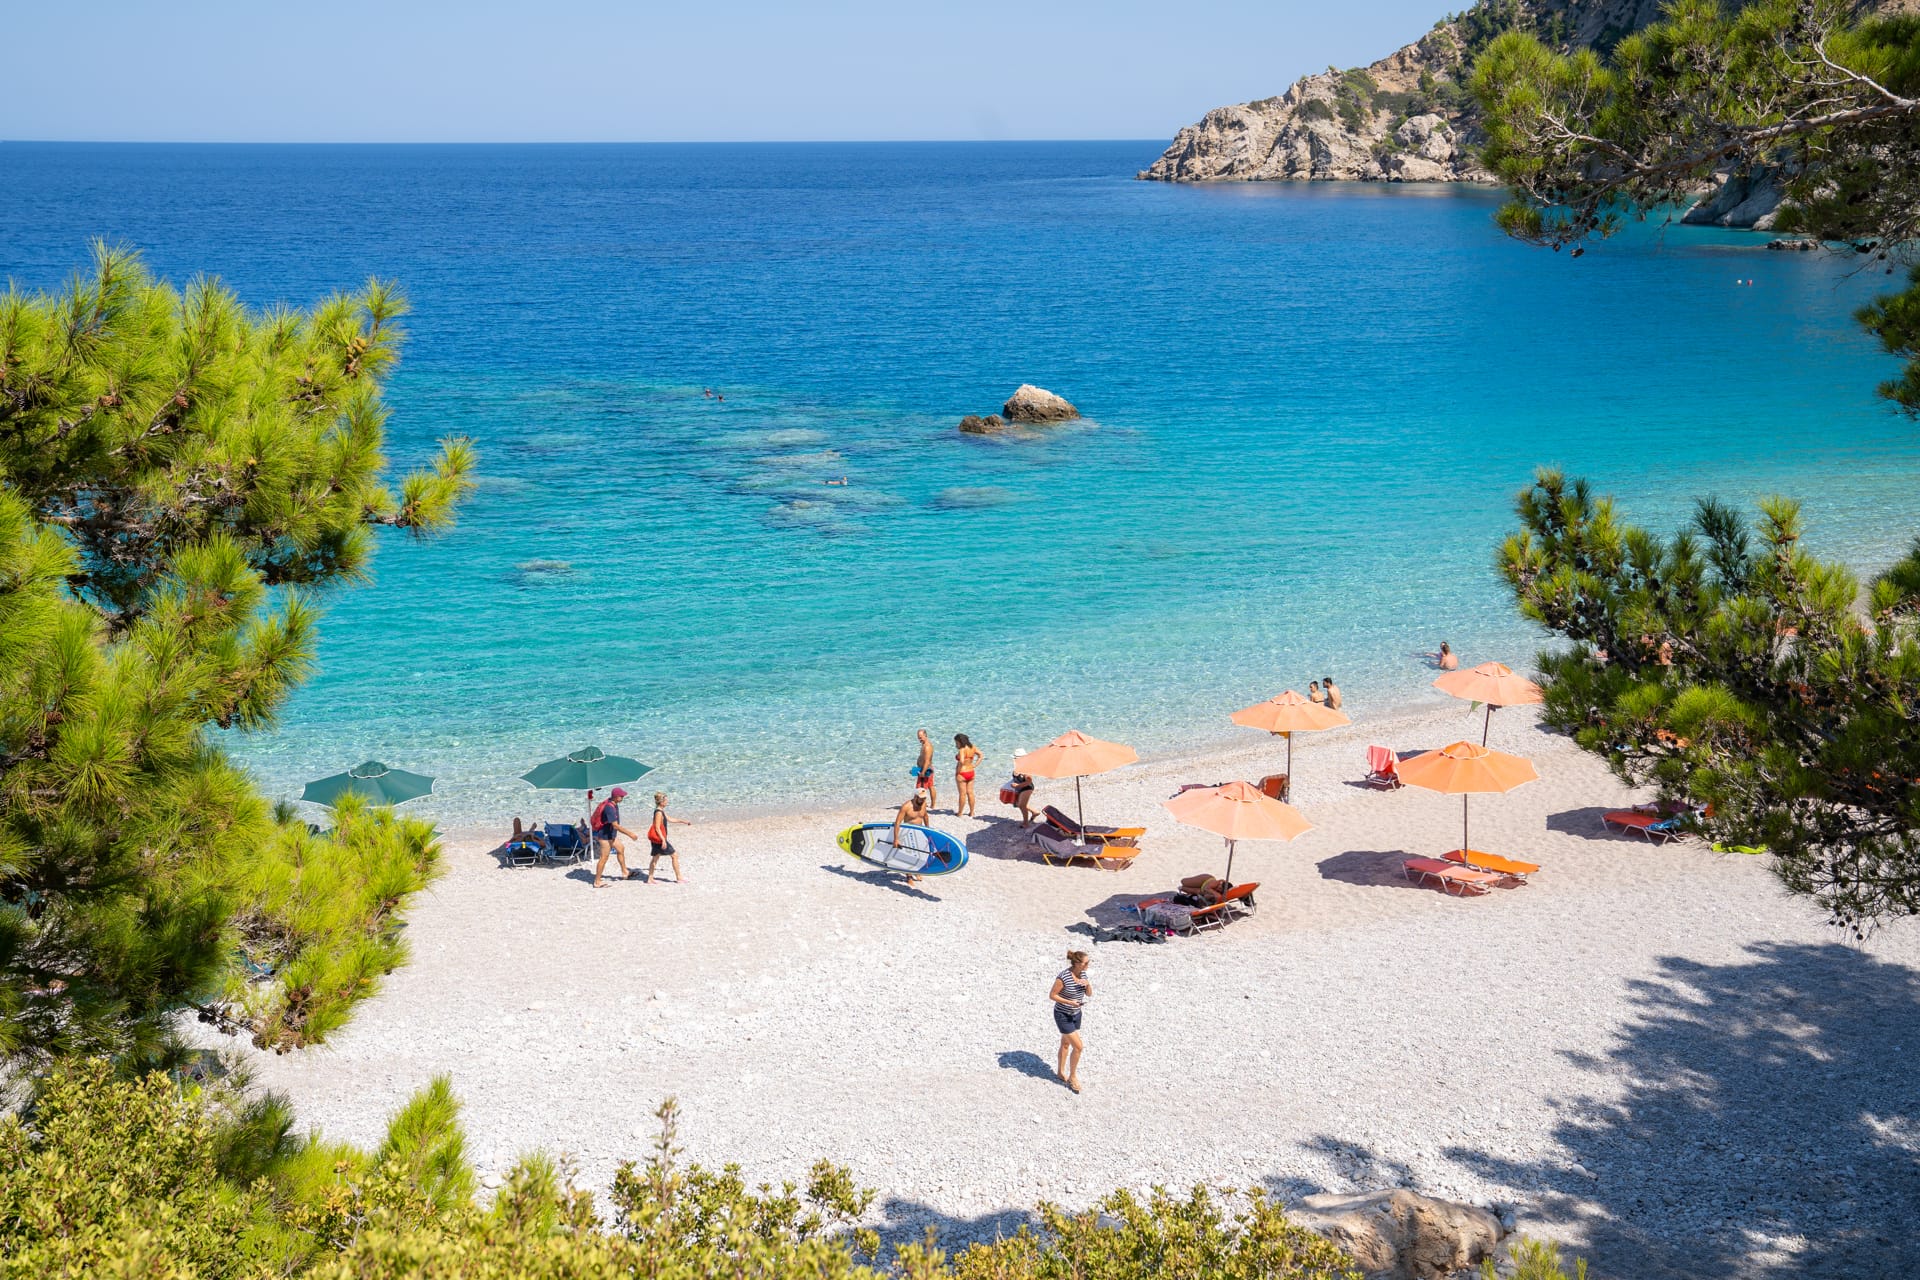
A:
[922,851]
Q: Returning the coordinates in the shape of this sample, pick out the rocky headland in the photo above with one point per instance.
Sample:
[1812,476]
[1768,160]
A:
[1410,118]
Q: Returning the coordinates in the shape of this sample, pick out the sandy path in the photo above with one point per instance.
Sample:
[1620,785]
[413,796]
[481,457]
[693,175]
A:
[1655,1052]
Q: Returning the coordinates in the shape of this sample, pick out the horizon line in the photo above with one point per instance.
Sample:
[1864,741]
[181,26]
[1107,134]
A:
[541,142]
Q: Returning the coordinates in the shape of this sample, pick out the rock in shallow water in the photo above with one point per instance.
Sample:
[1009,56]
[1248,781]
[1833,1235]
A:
[1037,405]
[992,424]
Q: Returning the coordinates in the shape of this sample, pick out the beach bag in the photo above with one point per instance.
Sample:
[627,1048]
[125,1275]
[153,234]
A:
[599,818]
[1168,915]
[657,832]
[1008,795]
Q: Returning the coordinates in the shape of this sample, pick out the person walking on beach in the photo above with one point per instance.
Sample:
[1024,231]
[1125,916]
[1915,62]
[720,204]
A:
[966,762]
[658,842]
[1333,694]
[1070,991]
[606,836]
[923,769]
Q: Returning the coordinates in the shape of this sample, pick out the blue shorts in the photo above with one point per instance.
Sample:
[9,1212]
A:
[1068,1020]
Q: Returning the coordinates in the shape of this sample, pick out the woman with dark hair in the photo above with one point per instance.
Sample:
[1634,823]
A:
[1070,991]
[966,762]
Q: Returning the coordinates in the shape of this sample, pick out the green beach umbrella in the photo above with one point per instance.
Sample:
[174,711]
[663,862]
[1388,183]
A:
[378,783]
[587,769]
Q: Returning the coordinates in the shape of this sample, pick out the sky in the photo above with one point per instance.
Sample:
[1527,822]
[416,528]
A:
[695,71]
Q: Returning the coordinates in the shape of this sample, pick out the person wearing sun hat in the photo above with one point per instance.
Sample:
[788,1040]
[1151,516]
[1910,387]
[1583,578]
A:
[1019,791]
[606,836]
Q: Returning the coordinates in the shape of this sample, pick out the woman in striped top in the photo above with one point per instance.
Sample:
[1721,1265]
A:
[1070,991]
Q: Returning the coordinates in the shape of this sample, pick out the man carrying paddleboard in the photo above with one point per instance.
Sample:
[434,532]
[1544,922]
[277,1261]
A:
[915,812]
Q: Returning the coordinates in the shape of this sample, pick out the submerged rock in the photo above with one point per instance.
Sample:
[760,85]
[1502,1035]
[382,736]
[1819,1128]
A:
[1037,405]
[992,424]
[1794,246]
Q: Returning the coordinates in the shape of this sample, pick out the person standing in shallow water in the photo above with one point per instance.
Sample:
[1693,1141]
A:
[1071,990]
[923,770]
[966,763]
[1313,692]
[1333,694]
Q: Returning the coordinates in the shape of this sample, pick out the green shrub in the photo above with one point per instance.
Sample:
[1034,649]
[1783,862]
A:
[1316,109]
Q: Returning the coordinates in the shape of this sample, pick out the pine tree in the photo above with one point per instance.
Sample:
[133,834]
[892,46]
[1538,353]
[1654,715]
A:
[178,477]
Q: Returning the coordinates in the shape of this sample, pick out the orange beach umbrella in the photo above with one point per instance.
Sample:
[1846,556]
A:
[1237,811]
[1493,683]
[1075,755]
[1465,769]
[1287,714]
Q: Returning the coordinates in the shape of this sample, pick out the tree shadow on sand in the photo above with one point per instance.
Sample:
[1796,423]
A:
[894,880]
[1770,1126]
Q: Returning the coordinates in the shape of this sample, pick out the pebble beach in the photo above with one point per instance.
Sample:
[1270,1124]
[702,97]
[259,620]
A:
[1651,1054]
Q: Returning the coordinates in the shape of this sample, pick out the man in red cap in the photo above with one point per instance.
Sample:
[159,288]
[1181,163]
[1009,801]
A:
[606,836]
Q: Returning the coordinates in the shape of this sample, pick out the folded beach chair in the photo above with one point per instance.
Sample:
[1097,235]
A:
[1056,849]
[523,853]
[1383,768]
[1274,786]
[566,842]
[1067,827]
[1653,826]
[1493,862]
[1450,877]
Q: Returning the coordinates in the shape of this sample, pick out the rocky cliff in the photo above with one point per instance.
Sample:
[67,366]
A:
[1405,118]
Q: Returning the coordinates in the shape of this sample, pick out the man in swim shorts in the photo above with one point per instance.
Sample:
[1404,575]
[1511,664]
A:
[923,770]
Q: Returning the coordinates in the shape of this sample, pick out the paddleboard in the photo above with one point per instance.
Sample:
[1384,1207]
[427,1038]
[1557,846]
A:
[922,851]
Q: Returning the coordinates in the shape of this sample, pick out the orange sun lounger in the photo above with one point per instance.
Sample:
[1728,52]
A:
[1656,827]
[1451,877]
[1493,862]
[1057,850]
[1236,902]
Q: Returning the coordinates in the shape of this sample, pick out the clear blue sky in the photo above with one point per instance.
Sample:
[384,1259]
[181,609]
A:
[698,70]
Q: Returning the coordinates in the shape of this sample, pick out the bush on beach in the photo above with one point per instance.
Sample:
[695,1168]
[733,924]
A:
[110,1176]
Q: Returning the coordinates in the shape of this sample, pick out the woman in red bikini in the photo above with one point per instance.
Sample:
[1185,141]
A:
[966,761]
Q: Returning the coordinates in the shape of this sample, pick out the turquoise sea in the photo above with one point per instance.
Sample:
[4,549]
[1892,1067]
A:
[1308,409]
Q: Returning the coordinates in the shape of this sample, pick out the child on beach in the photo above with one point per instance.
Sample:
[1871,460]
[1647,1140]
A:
[966,762]
[661,846]
[1070,991]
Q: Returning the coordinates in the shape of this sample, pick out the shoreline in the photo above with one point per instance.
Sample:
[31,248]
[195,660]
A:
[1235,748]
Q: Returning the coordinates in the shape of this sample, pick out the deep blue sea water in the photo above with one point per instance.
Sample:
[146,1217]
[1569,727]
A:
[1308,410]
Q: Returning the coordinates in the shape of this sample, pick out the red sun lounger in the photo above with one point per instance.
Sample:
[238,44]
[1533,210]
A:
[1450,877]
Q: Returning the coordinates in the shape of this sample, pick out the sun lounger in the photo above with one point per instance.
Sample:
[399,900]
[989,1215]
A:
[1236,902]
[1653,826]
[1072,830]
[1274,786]
[1450,877]
[1383,768]
[1493,862]
[524,853]
[1197,786]
[1056,849]
[566,842]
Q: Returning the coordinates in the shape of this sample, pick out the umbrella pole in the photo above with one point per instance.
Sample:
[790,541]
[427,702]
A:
[1289,765]
[1080,805]
[1464,846]
[1488,727]
[1229,864]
